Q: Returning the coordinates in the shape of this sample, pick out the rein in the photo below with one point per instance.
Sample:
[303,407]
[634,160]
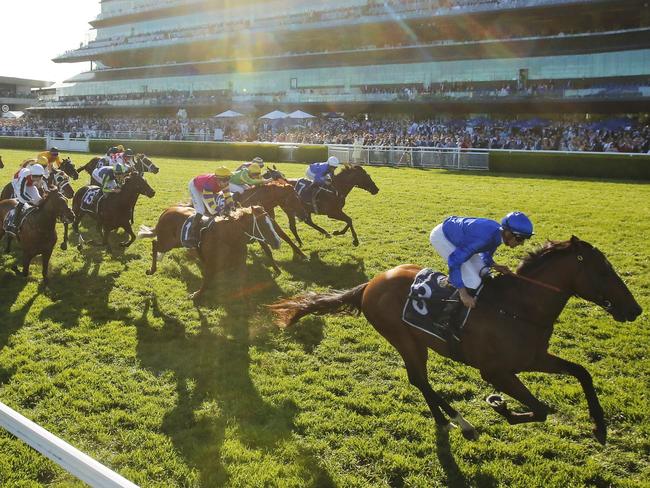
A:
[256,227]
[538,283]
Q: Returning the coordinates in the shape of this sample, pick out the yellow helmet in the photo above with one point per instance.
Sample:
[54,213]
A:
[254,169]
[120,147]
[223,172]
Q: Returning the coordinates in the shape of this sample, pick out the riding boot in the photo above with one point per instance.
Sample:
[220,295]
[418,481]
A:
[13,225]
[448,314]
[196,228]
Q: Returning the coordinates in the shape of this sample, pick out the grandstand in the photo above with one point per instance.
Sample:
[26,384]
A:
[475,56]
[16,93]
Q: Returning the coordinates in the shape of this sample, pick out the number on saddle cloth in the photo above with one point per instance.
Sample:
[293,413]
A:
[91,199]
[187,233]
[426,300]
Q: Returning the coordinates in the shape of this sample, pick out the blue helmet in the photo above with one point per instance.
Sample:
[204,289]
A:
[518,223]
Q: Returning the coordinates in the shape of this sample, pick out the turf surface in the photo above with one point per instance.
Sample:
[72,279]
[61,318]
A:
[127,369]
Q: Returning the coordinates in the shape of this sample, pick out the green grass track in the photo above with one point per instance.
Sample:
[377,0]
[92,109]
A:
[125,367]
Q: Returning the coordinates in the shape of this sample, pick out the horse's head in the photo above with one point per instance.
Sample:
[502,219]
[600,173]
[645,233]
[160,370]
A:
[146,165]
[68,168]
[274,174]
[136,183]
[360,178]
[596,280]
[62,183]
[58,205]
[258,225]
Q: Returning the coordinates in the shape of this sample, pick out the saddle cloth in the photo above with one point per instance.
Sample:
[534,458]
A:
[9,218]
[426,300]
[309,192]
[90,202]
[187,234]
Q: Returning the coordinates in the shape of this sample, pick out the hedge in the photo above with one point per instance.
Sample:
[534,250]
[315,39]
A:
[35,143]
[595,165]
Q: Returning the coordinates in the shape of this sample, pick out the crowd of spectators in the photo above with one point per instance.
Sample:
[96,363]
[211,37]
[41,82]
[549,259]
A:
[613,135]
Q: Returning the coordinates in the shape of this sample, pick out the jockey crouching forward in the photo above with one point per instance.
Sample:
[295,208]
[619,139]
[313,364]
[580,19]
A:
[204,190]
[468,244]
[257,160]
[110,178]
[26,184]
[320,174]
[49,160]
[245,178]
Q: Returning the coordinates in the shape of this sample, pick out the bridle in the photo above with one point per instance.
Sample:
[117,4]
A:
[256,232]
[60,179]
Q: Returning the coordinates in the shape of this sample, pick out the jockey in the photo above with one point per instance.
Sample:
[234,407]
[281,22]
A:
[245,177]
[468,244]
[321,173]
[127,157]
[204,190]
[47,159]
[110,178]
[26,184]
[257,160]
[108,159]
[225,203]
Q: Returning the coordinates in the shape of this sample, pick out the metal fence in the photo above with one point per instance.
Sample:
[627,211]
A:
[414,157]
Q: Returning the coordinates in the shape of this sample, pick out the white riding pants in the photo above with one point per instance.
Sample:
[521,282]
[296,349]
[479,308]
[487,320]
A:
[31,191]
[197,200]
[471,270]
[237,188]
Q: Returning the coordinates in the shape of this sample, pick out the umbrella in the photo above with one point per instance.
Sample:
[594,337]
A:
[275,115]
[228,114]
[299,114]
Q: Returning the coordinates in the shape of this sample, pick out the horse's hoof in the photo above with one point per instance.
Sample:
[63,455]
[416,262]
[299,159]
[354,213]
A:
[445,428]
[328,236]
[337,233]
[79,247]
[125,244]
[355,243]
[497,403]
[64,246]
[15,269]
[470,434]
[149,272]
[600,433]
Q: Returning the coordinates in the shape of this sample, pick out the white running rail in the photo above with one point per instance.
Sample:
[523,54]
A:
[69,458]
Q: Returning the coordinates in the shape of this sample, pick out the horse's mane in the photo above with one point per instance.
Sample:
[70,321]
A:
[235,215]
[539,255]
[27,162]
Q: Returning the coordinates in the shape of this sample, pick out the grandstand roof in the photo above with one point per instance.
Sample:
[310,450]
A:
[8,80]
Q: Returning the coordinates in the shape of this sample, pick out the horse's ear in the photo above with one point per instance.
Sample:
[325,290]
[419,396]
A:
[575,240]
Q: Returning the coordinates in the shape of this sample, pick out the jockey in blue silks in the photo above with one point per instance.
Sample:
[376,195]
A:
[468,245]
[321,173]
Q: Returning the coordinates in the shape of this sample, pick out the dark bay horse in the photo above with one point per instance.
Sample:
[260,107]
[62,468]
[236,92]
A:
[223,244]
[277,193]
[66,166]
[331,203]
[38,233]
[507,333]
[114,212]
[141,164]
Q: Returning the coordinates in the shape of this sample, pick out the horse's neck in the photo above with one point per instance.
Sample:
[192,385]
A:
[343,184]
[44,217]
[128,195]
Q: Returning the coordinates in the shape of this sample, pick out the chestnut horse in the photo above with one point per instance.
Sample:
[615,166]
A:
[223,243]
[115,210]
[277,193]
[331,203]
[507,333]
[38,233]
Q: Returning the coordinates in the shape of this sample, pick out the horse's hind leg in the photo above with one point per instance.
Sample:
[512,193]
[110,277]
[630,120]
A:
[129,231]
[269,253]
[509,384]
[8,244]
[313,225]
[27,259]
[415,360]
[154,257]
[557,365]
[64,244]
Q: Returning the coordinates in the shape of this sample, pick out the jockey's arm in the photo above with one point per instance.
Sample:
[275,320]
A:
[252,181]
[109,185]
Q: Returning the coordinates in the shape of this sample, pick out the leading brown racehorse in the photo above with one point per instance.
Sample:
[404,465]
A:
[114,211]
[38,233]
[331,201]
[507,333]
[223,244]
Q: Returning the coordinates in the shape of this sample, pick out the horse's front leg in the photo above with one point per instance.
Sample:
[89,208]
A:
[64,244]
[154,257]
[46,264]
[269,253]
[8,244]
[508,383]
[292,227]
[27,259]
[131,239]
[553,364]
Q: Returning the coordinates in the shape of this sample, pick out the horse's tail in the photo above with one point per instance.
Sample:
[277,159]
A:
[146,232]
[290,310]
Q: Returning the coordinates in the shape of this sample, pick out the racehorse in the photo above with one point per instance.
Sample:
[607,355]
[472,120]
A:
[114,210]
[273,194]
[223,242]
[507,333]
[332,200]
[57,179]
[141,163]
[66,166]
[38,233]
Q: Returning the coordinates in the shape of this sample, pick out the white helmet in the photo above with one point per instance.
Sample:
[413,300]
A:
[37,170]
[333,161]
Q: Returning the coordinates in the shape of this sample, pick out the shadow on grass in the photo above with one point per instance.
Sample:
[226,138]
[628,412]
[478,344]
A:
[216,394]
[318,272]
